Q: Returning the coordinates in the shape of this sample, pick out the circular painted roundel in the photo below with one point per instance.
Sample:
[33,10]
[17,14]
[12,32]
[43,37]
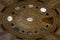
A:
[29,19]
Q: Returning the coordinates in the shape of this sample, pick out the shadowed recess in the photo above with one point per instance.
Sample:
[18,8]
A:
[3,27]
[18,0]
[49,20]
[40,1]
[56,11]
[4,9]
